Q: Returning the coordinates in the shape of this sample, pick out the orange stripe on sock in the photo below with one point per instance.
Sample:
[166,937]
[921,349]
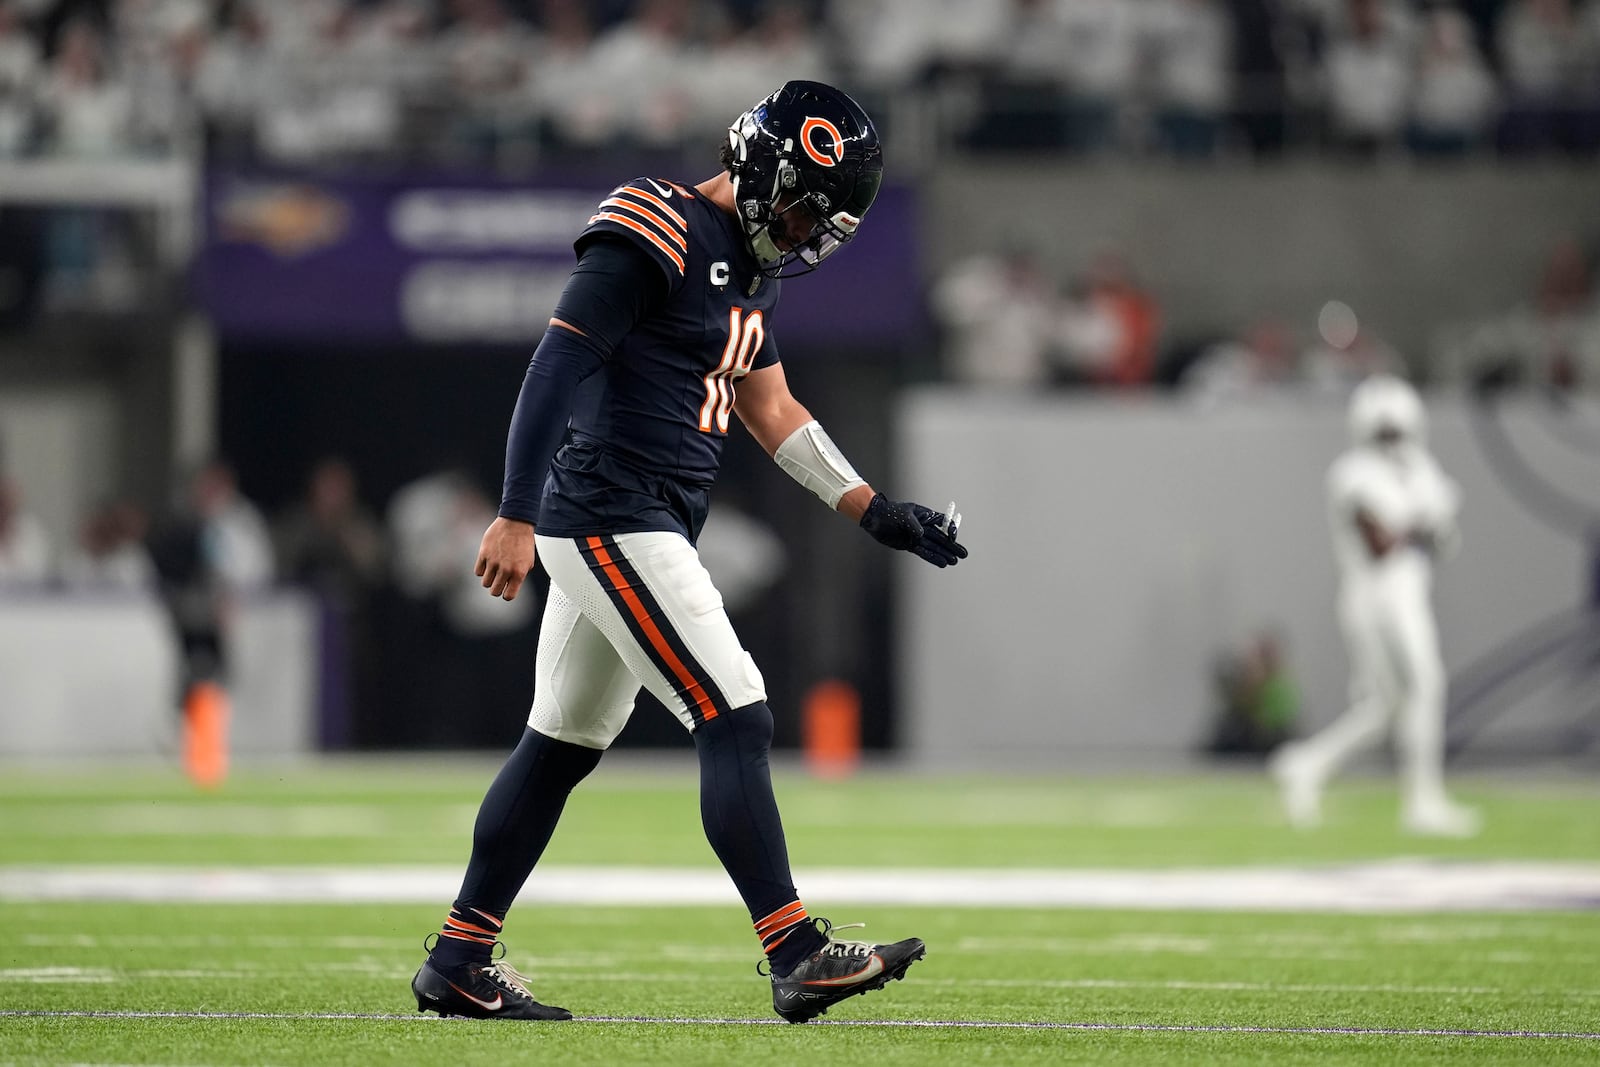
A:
[467,937]
[498,923]
[647,624]
[459,925]
[782,917]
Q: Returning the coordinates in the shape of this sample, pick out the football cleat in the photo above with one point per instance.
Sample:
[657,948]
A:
[1298,786]
[1440,818]
[838,970]
[479,991]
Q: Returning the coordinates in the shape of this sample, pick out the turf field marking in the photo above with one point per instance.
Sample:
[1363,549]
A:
[544,969]
[916,1024]
[1288,944]
[1392,886]
[202,941]
[227,819]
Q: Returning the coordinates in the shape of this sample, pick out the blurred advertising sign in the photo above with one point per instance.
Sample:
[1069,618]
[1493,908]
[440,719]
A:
[410,259]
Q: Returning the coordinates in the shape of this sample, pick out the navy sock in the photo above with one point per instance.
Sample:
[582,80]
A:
[515,821]
[740,815]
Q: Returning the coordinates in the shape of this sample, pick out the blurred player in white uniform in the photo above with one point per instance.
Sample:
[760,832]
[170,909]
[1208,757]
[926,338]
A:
[1393,512]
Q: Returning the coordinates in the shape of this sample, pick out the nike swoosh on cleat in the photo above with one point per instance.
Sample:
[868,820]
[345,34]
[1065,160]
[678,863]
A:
[665,193]
[487,1005]
[873,968]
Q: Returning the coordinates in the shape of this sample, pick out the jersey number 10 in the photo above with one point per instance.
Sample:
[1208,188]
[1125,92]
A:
[744,341]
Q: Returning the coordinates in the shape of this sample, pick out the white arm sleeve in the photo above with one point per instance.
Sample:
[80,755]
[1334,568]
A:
[810,457]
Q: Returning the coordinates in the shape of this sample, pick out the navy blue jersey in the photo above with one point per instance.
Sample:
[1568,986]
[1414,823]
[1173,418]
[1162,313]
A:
[647,429]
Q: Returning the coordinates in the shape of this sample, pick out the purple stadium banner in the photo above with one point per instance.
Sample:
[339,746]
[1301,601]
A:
[417,260]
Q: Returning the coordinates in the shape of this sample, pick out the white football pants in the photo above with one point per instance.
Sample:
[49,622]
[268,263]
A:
[630,610]
[1397,681]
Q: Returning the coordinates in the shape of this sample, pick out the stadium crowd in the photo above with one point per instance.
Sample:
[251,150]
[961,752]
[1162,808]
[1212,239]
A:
[1006,321]
[504,80]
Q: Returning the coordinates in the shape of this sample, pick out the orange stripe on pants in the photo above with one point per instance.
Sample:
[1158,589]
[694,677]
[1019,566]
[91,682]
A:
[642,617]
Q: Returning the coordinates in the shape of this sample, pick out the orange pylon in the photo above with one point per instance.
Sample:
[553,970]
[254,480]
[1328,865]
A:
[205,734]
[831,729]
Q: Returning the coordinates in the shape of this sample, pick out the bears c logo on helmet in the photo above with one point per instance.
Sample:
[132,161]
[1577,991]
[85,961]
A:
[834,146]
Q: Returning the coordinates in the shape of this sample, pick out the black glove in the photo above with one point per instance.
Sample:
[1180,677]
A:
[913,528]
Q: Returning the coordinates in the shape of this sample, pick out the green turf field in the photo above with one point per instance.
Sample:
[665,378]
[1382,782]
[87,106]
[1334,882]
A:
[205,983]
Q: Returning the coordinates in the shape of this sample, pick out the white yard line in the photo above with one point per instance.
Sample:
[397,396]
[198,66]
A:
[1395,886]
[545,969]
[918,1024]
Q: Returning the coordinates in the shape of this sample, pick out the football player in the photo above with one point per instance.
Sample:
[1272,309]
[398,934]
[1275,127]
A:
[662,335]
[1393,512]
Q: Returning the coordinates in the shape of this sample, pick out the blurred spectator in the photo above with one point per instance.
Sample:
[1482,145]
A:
[19,74]
[87,112]
[111,553]
[1260,362]
[1262,72]
[797,50]
[211,549]
[646,65]
[485,53]
[1114,326]
[742,64]
[566,88]
[902,43]
[328,540]
[485,50]
[1023,104]
[1090,333]
[1258,701]
[734,65]
[234,535]
[435,524]
[1543,57]
[1100,65]
[455,658]
[24,542]
[235,78]
[1000,316]
[1368,71]
[309,80]
[1551,340]
[158,46]
[1191,51]
[322,99]
[1455,96]
[329,543]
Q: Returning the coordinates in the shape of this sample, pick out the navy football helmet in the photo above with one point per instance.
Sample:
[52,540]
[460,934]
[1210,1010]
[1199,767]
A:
[808,147]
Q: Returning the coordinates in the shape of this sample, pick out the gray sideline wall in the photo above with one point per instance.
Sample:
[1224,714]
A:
[1119,545]
[1411,248]
[96,674]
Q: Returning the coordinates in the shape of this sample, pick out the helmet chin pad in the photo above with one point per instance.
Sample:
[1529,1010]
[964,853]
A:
[763,247]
